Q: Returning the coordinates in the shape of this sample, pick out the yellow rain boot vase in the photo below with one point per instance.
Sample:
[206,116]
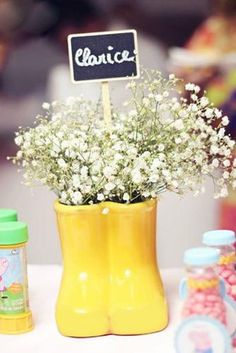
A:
[110,282]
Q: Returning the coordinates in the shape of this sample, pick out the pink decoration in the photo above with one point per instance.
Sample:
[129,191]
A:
[201,340]
[3,267]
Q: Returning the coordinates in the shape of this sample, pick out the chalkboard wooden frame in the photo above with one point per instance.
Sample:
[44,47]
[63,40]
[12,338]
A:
[107,33]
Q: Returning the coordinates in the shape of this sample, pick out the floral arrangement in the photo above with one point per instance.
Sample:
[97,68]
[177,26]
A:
[160,142]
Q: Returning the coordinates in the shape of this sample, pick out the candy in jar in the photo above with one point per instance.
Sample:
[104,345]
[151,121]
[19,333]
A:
[203,284]
[224,240]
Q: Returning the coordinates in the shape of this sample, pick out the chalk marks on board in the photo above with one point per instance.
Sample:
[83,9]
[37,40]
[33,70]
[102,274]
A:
[103,56]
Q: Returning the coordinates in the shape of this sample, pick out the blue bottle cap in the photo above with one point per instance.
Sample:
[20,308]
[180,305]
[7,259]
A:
[219,237]
[201,256]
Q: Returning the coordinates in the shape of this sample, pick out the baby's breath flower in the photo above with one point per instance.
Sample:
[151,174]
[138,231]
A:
[194,97]
[109,186]
[146,101]
[19,155]
[161,143]
[126,197]
[183,113]
[161,147]
[159,97]
[171,76]
[214,149]
[221,132]
[45,105]
[225,121]
[190,86]
[76,181]
[204,101]
[84,171]
[77,198]
[209,113]
[136,176]
[218,113]
[226,163]
[197,89]
[131,84]
[18,140]
[194,107]
[100,197]
[178,124]
[178,140]
[215,163]
[226,175]
[62,164]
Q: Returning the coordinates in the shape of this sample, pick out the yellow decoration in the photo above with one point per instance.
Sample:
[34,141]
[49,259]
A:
[110,281]
[202,284]
[15,288]
[227,259]
[16,324]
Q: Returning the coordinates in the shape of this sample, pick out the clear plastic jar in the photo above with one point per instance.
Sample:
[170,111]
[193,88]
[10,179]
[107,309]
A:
[15,315]
[203,284]
[224,240]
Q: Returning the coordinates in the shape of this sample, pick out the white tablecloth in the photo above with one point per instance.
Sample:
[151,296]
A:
[43,287]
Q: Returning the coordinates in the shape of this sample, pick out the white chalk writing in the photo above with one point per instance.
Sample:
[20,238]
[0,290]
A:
[84,57]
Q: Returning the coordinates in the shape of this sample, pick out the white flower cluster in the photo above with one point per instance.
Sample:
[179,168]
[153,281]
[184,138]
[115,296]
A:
[162,143]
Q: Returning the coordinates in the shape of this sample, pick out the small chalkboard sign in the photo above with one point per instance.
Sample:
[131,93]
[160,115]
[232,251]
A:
[103,56]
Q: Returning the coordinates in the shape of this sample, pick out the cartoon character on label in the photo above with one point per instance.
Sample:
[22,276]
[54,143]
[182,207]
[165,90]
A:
[201,341]
[3,268]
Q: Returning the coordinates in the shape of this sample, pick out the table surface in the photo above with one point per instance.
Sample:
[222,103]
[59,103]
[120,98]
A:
[43,288]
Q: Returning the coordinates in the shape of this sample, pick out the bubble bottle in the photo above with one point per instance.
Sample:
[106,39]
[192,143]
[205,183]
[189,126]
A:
[202,289]
[224,240]
[15,315]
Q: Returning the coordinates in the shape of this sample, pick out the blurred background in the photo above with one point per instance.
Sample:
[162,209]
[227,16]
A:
[195,39]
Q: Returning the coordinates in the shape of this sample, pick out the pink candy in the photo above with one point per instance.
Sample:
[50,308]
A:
[205,302]
[228,274]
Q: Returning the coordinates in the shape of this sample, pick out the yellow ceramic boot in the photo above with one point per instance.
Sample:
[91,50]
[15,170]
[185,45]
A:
[82,305]
[137,301]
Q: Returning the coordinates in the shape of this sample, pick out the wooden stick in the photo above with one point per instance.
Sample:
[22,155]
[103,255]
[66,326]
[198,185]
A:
[106,102]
